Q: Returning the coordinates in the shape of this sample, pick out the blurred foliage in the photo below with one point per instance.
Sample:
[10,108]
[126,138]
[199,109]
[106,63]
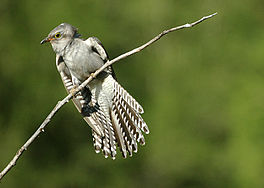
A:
[202,90]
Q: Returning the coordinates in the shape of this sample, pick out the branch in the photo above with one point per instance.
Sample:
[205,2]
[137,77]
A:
[70,96]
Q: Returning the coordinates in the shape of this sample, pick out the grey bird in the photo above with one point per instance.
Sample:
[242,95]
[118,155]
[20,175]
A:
[112,113]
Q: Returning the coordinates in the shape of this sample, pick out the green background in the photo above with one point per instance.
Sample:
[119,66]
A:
[202,90]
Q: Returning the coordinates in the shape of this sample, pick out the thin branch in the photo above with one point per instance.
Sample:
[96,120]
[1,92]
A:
[70,96]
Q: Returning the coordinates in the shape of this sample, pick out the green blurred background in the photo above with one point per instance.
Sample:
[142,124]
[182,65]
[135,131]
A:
[202,90]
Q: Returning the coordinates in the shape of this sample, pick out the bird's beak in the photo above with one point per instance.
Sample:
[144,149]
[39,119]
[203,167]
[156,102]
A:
[46,40]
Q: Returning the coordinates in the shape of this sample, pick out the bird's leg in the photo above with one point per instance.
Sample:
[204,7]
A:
[92,75]
[75,83]
[73,90]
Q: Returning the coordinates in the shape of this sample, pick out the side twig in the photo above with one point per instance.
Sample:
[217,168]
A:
[12,163]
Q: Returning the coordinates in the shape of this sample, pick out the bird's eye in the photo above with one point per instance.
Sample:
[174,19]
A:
[58,35]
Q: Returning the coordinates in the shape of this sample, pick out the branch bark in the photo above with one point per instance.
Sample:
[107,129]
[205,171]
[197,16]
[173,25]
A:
[41,128]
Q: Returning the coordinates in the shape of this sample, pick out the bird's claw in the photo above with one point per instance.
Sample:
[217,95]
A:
[92,75]
[73,90]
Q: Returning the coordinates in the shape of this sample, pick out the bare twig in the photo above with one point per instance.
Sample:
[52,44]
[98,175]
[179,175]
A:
[68,97]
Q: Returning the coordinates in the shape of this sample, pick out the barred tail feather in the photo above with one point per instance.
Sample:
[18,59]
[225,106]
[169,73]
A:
[107,142]
[127,121]
[118,132]
[97,141]
[130,138]
[131,106]
[119,90]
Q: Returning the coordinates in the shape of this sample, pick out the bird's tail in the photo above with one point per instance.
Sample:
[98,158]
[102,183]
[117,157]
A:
[124,124]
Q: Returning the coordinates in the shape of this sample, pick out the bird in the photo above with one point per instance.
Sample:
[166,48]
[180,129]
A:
[112,113]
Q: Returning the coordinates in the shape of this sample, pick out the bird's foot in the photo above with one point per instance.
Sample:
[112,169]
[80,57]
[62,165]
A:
[73,90]
[92,75]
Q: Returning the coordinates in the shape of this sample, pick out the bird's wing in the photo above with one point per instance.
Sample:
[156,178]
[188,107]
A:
[98,48]
[81,99]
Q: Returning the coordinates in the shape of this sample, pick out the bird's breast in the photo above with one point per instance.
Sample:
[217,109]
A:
[82,62]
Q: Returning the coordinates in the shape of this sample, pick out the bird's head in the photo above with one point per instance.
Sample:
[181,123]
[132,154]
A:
[61,36]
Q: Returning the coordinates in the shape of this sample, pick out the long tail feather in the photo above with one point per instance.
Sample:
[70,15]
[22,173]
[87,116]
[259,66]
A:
[119,114]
